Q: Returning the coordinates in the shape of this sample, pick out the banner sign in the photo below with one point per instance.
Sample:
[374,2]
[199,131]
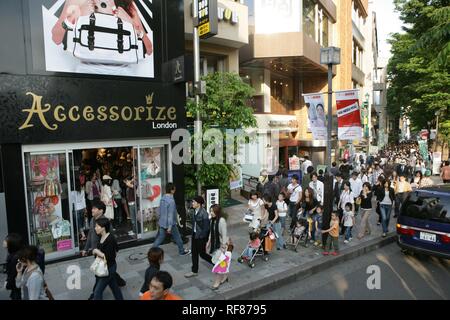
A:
[207,18]
[437,158]
[316,115]
[349,117]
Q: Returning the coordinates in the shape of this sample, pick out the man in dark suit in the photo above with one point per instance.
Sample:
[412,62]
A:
[404,170]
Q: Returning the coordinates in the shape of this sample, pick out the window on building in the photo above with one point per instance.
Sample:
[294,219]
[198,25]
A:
[358,55]
[210,64]
[309,18]
[282,90]
[324,29]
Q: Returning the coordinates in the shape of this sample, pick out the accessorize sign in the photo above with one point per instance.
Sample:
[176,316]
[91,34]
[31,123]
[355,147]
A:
[38,109]
[349,116]
[316,115]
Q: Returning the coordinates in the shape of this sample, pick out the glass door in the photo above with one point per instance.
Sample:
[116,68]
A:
[48,199]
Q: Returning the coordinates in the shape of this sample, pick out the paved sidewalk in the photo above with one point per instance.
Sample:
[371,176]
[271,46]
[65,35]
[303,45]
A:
[282,266]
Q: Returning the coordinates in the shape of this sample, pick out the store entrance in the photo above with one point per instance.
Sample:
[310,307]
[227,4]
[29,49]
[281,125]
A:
[107,174]
[62,181]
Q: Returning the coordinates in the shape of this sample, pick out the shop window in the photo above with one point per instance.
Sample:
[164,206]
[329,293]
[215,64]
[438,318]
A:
[48,201]
[152,178]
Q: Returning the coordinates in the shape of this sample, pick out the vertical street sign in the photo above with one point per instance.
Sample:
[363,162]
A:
[207,18]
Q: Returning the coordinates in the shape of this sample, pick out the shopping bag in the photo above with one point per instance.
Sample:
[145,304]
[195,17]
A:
[268,244]
[223,265]
[248,216]
[100,267]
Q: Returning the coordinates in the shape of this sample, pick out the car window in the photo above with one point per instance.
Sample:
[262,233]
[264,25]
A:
[427,207]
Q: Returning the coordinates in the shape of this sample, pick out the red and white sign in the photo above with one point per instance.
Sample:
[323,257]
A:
[349,117]
[424,134]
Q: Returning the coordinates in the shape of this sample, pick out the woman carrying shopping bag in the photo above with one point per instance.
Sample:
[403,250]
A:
[106,250]
[218,242]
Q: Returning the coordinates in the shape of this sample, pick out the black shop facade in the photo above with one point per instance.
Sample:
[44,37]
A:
[79,126]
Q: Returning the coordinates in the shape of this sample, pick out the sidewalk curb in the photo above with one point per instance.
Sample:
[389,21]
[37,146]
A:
[294,274]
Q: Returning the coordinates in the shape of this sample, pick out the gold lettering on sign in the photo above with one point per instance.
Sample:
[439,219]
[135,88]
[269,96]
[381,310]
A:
[129,111]
[160,114]
[88,113]
[59,117]
[61,113]
[172,113]
[138,110]
[72,117]
[37,108]
[114,115]
[102,116]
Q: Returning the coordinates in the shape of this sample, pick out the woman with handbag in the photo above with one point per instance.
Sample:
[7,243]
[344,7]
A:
[218,241]
[106,266]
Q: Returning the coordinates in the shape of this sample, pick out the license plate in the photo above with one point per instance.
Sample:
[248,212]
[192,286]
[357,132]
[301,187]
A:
[428,236]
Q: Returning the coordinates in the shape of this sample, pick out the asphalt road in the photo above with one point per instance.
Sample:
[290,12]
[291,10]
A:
[404,277]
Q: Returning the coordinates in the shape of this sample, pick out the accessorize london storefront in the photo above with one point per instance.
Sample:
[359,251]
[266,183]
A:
[50,174]
[65,119]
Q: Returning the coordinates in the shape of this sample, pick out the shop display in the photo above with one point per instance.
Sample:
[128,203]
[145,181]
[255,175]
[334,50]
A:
[52,232]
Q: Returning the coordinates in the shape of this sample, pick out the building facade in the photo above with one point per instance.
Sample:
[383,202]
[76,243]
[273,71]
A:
[70,114]
[282,62]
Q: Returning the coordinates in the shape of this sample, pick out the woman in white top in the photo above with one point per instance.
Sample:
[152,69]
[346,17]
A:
[282,208]
[256,206]
[107,197]
[79,205]
[347,196]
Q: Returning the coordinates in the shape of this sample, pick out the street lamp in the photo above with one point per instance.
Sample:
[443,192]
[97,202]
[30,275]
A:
[329,56]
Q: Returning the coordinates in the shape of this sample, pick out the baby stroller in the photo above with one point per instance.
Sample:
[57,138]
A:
[256,252]
[302,235]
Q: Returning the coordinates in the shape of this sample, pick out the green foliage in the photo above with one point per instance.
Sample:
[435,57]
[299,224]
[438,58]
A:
[225,106]
[418,71]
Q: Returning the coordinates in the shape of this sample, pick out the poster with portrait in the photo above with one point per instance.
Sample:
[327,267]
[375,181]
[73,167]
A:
[316,115]
[108,37]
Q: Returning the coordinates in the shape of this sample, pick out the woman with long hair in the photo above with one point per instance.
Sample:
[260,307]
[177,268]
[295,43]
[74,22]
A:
[106,249]
[30,277]
[218,241]
[107,197]
[386,198]
[13,243]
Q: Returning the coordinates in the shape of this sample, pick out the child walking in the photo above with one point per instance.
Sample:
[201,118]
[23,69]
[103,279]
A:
[348,220]
[333,236]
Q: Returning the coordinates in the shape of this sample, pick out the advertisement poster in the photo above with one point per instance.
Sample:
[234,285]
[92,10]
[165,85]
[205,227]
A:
[105,37]
[349,117]
[294,163]
[236,180]
[316,115]
[437,159]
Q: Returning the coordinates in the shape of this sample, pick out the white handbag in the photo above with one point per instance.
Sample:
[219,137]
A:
[100,267]
[248,217]
[106,39]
